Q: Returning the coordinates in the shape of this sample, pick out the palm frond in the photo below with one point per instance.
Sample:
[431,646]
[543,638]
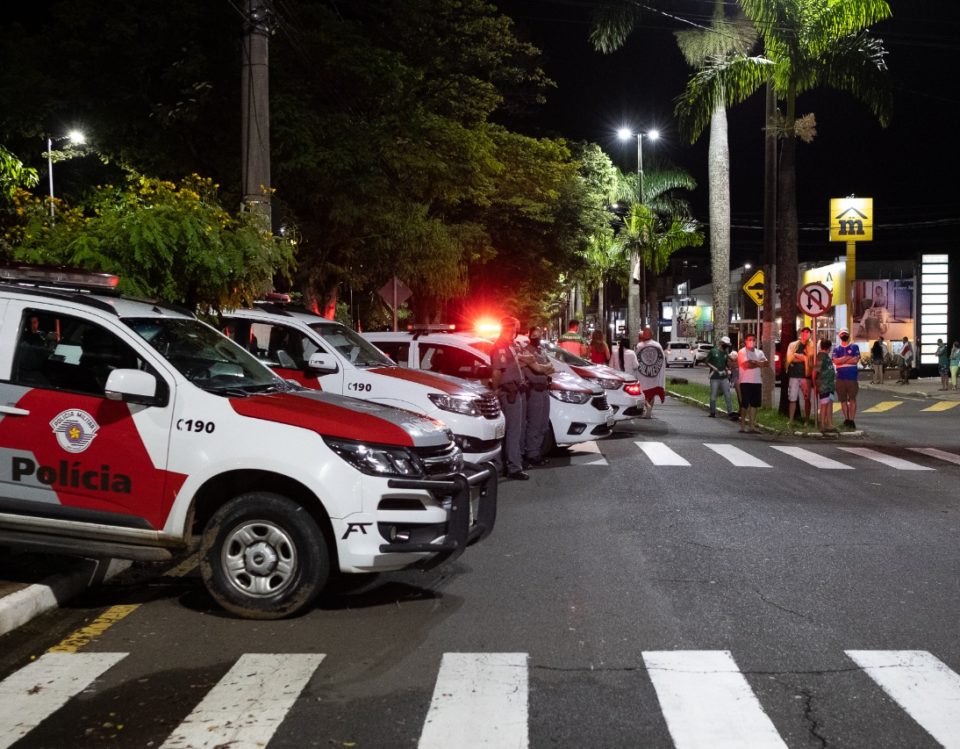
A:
[613,20]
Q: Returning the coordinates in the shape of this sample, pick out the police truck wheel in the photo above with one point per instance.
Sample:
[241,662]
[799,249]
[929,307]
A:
[263,557]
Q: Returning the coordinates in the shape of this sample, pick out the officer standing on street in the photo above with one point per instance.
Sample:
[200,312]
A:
[509,382]
[538,400]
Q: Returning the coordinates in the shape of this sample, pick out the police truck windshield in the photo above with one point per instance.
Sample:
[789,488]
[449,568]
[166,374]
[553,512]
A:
[358,351]
[209,360]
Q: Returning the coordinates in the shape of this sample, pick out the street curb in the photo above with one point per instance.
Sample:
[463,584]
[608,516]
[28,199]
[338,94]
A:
[810,435]
[883,389]
[22,605]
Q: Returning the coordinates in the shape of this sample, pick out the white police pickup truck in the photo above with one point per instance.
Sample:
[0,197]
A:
[320,353]
[131,429]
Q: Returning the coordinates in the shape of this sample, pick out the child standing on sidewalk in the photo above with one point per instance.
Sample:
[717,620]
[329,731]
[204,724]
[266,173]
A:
[825,383]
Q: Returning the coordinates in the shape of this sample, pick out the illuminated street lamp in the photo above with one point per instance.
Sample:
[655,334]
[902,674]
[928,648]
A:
[74,136]
[625,133]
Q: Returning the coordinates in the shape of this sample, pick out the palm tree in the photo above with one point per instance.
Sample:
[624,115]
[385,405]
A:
[724,39]
[653,228]
[602,257]
[807,44]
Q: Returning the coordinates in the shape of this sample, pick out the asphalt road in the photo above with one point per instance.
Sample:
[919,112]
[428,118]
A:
[762,584]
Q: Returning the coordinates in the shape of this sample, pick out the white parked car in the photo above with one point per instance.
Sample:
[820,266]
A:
[679,353]
[623,390]
[702,351]
[131,429]
[579,410]
[324,354]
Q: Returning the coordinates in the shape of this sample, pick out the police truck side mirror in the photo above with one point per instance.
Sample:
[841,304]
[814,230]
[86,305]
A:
[322,364]
[132,386]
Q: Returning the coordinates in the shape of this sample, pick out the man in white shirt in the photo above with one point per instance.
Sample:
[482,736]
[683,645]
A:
[750,361]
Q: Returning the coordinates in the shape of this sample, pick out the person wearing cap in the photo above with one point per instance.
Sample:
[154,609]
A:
[511,385]
[846,359]
[651,370]
[799,370]
[718,362]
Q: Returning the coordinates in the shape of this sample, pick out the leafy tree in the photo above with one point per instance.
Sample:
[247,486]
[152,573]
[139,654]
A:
[807,44]
[167,240]
[14,174]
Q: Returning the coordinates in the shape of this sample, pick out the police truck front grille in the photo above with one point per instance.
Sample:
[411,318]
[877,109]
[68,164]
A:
[489,406]
[441,461]
[600,403]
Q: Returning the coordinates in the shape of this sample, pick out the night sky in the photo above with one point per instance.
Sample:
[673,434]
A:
[910,168]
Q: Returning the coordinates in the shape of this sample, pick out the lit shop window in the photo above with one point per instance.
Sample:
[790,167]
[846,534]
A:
[934,291]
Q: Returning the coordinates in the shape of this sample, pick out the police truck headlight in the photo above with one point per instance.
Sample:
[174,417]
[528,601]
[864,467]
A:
[458,404]
[378,460]
[571,396]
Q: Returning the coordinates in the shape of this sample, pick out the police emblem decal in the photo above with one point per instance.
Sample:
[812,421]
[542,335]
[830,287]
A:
[74,430]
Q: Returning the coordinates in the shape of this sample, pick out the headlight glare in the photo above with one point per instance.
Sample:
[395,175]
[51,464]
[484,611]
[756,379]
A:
[378,460]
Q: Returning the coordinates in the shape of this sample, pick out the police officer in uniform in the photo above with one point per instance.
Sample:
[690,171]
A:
[510,384]
[538,400]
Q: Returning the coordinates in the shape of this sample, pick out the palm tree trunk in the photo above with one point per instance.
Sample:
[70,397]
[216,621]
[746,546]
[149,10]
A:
[601,310]
[719,188]
[787,235]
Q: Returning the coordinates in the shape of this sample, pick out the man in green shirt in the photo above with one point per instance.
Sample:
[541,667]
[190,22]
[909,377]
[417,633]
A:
[718,362]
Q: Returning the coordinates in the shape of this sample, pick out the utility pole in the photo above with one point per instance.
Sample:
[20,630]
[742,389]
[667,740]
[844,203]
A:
[769,242]
[255,108]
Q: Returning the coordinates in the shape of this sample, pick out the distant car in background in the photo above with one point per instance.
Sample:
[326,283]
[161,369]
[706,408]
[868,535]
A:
[702,350]
[679,353]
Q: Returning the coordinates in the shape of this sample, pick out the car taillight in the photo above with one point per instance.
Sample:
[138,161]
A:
[632,388]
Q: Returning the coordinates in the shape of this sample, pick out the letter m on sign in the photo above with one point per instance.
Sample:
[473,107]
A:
[851,219]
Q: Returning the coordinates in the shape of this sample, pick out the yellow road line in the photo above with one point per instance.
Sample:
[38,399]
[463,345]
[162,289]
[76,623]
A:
[882,406]
[837,408]
[85,635]
[942,406]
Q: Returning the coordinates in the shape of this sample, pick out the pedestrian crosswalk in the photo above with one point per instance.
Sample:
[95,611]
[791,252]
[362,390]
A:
[830,458]
[483,699]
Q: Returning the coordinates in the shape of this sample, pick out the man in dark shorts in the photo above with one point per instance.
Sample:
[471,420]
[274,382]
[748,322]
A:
[751,361]
[846,358]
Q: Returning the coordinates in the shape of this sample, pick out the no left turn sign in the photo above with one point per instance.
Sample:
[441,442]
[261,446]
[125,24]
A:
[814,299]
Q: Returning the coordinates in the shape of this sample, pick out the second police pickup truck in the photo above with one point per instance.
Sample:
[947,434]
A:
[327,355]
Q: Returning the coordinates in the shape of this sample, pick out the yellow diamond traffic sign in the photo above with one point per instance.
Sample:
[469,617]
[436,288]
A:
[754,288]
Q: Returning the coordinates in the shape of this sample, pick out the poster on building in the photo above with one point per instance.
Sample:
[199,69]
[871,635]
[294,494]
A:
[883,307]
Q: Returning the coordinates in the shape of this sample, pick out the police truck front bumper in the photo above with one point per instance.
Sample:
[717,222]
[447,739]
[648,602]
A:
[464,525]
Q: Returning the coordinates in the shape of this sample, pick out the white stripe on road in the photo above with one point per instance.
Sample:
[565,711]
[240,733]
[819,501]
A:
[480,700]
[33,693]
[661,455]
[921,684]
[248,704]
[935,453]
[811,458]
[587,454]
[888,460]
[739,458]
[707,702]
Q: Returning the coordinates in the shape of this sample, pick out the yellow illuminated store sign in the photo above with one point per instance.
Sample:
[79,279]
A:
[851,219]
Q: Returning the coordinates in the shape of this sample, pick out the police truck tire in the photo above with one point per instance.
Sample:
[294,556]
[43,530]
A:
[263,556]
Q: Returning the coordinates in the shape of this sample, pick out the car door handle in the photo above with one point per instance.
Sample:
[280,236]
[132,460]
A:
[14,411]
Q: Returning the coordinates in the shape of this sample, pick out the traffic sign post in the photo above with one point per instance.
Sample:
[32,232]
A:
[754,288]
[814,299]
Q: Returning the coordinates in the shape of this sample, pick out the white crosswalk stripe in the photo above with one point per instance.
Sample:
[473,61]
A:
[888,460]
[480,700]
[707,702]
[736,456]
[35,692]
[661,455]
[811,458]
[248,704]
[921,684]
[935,453]
[587,454]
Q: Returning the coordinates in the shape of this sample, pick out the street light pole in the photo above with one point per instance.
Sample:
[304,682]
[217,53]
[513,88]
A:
[75,136]
[623,134]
